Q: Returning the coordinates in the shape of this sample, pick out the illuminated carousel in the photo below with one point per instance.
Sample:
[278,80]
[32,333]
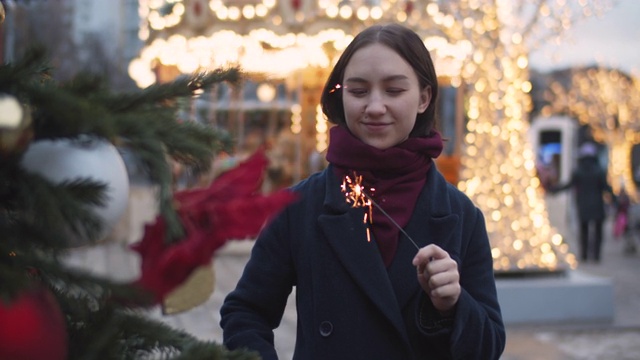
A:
[287,47]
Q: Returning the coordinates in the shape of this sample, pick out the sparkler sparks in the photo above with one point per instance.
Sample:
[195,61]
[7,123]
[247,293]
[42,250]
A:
[356,195]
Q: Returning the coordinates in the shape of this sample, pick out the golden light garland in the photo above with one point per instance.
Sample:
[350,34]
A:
[498,162]
[608,101]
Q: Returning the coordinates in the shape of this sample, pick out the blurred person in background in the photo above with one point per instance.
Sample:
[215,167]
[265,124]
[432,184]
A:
[589,181]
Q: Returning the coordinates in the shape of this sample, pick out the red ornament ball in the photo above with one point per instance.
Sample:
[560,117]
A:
[32,327]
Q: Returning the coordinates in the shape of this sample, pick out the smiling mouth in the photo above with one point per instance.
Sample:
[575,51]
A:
[375,125]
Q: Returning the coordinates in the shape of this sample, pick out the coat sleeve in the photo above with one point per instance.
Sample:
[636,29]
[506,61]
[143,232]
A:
[477,330]
[251,311]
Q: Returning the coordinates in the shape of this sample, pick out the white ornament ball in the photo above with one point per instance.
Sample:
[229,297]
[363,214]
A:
[95,159]
[11,112]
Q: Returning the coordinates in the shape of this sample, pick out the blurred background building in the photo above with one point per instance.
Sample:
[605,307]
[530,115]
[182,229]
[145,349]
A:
[81,35]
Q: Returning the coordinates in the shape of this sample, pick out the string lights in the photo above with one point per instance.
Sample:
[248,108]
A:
[608,101]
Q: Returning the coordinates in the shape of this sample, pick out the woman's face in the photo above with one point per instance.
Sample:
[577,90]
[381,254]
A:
[381,96]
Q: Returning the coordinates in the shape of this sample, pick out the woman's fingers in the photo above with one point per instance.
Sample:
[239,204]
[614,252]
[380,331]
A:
[438,275]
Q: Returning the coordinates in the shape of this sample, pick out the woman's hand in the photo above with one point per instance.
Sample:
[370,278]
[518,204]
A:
[439,277]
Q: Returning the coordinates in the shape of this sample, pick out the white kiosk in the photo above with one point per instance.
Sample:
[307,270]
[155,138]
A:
[556,138]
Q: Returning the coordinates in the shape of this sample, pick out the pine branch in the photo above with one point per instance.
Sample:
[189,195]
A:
[32,67]
[38,217]
[182,345]
[63,208]
[111,333]
[144,121]
[62,114]
[185,86]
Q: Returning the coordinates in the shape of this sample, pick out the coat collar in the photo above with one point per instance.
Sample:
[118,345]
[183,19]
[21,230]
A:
[343,226]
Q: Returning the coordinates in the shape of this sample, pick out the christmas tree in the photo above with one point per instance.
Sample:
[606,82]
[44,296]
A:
[51,311]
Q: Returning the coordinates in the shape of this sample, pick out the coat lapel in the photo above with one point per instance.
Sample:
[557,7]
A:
[346,233]
[431,223]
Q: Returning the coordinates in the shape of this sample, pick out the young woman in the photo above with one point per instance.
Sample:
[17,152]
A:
[422,285]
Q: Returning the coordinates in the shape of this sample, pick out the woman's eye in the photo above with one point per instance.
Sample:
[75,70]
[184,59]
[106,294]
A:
[357,91]
[395,90]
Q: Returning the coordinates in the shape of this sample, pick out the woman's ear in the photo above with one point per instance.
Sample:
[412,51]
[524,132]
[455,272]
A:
[425,99]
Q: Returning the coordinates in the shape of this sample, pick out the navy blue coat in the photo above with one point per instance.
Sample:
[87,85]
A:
[349,305]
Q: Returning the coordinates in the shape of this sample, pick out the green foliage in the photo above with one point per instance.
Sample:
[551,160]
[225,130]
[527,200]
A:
[37,217]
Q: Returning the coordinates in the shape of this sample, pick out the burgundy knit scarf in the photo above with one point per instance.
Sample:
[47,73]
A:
[397,174]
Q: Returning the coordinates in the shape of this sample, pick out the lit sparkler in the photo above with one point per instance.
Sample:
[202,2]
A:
[356,195]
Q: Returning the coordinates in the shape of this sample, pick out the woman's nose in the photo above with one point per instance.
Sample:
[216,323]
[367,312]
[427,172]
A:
[375,105]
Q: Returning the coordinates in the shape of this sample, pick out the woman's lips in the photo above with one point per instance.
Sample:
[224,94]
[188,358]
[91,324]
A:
[376,126]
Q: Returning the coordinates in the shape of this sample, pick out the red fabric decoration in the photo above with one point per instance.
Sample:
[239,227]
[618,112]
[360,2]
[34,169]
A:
[32,327]
[230,208]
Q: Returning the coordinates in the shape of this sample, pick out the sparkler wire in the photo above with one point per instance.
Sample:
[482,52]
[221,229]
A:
[358,197]
[390,218]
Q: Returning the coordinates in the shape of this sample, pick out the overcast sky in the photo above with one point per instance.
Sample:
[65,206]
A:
[612,40]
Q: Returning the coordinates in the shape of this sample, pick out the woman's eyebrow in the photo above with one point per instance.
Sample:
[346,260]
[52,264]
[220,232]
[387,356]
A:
[355,79]
[358,79]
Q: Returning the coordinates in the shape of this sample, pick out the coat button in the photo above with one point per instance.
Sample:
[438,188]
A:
[326,328]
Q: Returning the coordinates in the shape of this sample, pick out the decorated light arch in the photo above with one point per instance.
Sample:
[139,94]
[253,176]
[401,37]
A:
[479,45]
[608,101]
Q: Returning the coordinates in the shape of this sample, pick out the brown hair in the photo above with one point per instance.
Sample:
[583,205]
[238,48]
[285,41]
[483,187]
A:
[406,43]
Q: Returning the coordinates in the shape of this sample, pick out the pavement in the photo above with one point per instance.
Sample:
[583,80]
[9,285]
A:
[618,339]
